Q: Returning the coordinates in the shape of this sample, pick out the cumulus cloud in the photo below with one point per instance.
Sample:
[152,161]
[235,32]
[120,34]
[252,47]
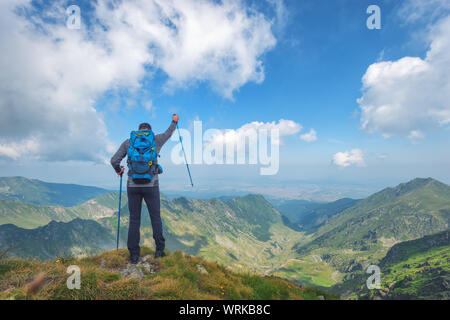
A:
[220,43]
[45,93]
[310,136]
[250,130]
[349,158]
[52,76]
[410,94]
[9,151]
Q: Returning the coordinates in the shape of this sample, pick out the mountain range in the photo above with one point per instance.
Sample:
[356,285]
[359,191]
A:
[56,239]
[327,245]
[408,211]
[415,269]
[45,193]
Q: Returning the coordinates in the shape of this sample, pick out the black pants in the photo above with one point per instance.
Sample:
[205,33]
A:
[151,197]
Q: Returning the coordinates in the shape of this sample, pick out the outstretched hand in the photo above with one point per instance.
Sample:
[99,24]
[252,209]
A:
[175,117]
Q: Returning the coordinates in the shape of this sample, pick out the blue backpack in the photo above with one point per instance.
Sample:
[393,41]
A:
[142,157]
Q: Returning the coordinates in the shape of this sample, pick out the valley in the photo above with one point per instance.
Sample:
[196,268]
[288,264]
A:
[325,245]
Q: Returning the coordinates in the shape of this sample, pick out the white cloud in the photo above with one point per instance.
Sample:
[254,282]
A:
[281,12]
[348,158]
[413,10]
[148,105]
[46,91]
[9,151]
[220,43]
[310,136]
[51,76]
[416,134]
[234,136]
[15,150]
[410,94]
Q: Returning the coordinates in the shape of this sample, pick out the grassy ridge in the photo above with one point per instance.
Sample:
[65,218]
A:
[76,237]
[424,275]
[408,211]
[404,250]
[177,276]
[28,215]
[417,269]
[45,193]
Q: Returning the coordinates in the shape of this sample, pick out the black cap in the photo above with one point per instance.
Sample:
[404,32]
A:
[145,126]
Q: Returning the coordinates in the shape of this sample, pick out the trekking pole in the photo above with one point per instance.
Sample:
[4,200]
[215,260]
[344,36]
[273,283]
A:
[120,204]
[185,160]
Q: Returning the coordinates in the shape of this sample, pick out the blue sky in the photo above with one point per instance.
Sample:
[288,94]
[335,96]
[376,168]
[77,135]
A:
[314,62]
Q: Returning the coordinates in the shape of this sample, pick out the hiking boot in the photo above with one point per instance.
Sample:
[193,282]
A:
[159,254]
[134,259]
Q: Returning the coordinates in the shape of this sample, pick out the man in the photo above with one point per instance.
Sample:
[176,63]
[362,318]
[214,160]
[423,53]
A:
[148,191]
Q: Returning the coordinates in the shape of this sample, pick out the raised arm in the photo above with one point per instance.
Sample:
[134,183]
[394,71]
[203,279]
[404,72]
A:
[161,139]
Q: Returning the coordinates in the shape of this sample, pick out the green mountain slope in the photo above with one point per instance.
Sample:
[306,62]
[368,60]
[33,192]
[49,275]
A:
[316,216]
[416,269]
[295,209]
[404,250]
[27,215]
[57,238]
[244,233]
[44,193]
[408,211]
[361,235]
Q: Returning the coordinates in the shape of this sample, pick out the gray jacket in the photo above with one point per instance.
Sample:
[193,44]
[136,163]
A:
[160,140]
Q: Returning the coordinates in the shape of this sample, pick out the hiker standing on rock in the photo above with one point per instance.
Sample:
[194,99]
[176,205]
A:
[142,150]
